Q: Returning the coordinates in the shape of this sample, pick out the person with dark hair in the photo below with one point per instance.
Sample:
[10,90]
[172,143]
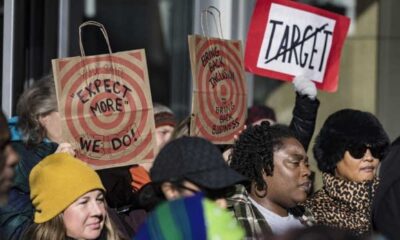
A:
[385,209]
[8,160]
[348,150]
[187,170]
[276,165]
[186,166]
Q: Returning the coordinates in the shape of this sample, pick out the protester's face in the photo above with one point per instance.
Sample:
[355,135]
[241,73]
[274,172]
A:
[163,135]
[52,124]
[84,219]
[7,174]
[357,169]
[289,183]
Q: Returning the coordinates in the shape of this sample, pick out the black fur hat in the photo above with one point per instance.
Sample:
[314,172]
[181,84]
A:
[345,128]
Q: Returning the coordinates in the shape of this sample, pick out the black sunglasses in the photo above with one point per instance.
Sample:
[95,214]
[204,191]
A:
[359,151]
[212,194]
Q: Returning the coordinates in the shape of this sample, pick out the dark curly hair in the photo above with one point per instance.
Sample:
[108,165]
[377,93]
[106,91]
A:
[252,153]
[343,129]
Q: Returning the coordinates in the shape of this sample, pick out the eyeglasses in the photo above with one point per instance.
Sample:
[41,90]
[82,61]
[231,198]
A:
[359,151]
[212,194]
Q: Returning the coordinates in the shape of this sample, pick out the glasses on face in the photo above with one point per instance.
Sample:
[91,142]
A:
[359,151]
[212,194]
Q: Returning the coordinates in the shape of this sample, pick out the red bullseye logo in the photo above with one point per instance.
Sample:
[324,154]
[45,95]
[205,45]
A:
[220,94]
[105,103]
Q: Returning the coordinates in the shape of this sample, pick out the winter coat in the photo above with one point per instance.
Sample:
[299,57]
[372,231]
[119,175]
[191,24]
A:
[17,215]
[386,209]
[343,204]
[304,117]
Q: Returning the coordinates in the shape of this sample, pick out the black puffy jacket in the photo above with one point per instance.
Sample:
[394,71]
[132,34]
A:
[304,117]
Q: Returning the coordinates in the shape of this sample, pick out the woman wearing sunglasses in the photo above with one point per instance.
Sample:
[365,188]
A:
[348,150]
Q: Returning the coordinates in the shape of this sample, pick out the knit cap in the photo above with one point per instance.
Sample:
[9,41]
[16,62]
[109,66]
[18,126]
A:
[57,181]
[258,112]
[163,116]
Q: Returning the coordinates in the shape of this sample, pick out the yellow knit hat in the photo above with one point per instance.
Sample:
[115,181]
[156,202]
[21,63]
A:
[57,181]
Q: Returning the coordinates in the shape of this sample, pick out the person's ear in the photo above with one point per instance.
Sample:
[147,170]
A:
[262,192]
[170,191]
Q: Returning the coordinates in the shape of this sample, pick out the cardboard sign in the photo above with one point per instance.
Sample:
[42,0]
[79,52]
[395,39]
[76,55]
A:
[219,104]
[287,39]
[106,108]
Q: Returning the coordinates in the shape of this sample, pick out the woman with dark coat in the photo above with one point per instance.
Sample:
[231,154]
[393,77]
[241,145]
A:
[386,208]
[348,149]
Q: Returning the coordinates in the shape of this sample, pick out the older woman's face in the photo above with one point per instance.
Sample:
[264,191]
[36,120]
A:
[84,219]
[52,124]
[357,169]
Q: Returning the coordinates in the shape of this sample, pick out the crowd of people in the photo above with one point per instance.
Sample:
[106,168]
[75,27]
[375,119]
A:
[260,187]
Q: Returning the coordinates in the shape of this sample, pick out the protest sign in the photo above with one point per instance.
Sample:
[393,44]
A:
[105,105]
[288,39]
[219,104]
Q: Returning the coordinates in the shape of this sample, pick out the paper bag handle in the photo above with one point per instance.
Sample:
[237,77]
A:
[103,30]
[204,13]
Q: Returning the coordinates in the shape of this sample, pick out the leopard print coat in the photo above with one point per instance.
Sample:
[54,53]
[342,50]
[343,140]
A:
[343,204]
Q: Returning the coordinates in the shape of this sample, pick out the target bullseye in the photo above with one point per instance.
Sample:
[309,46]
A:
[105,102]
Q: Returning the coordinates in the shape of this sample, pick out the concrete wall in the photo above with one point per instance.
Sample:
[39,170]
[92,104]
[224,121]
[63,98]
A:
[389,67]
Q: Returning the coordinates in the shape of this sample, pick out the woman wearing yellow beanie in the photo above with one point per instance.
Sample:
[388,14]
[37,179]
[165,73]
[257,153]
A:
[68,197]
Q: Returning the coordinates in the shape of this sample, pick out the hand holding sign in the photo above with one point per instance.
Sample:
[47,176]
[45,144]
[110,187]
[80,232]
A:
[105,106]
[65,148]
[304,86]
[289,39]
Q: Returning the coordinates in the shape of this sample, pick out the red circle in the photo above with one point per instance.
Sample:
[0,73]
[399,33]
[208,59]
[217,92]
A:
[238,86]
[218,102]
[223,90]
[129,80]
[205,116]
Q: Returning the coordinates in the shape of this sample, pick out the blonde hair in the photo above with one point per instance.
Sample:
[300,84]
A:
[54,229]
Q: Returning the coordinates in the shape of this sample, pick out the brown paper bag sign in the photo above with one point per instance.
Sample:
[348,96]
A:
[219,104]
[105,106]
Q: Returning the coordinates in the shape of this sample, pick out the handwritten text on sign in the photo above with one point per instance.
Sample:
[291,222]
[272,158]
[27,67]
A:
[294,46]
[219,88]
[215,62]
